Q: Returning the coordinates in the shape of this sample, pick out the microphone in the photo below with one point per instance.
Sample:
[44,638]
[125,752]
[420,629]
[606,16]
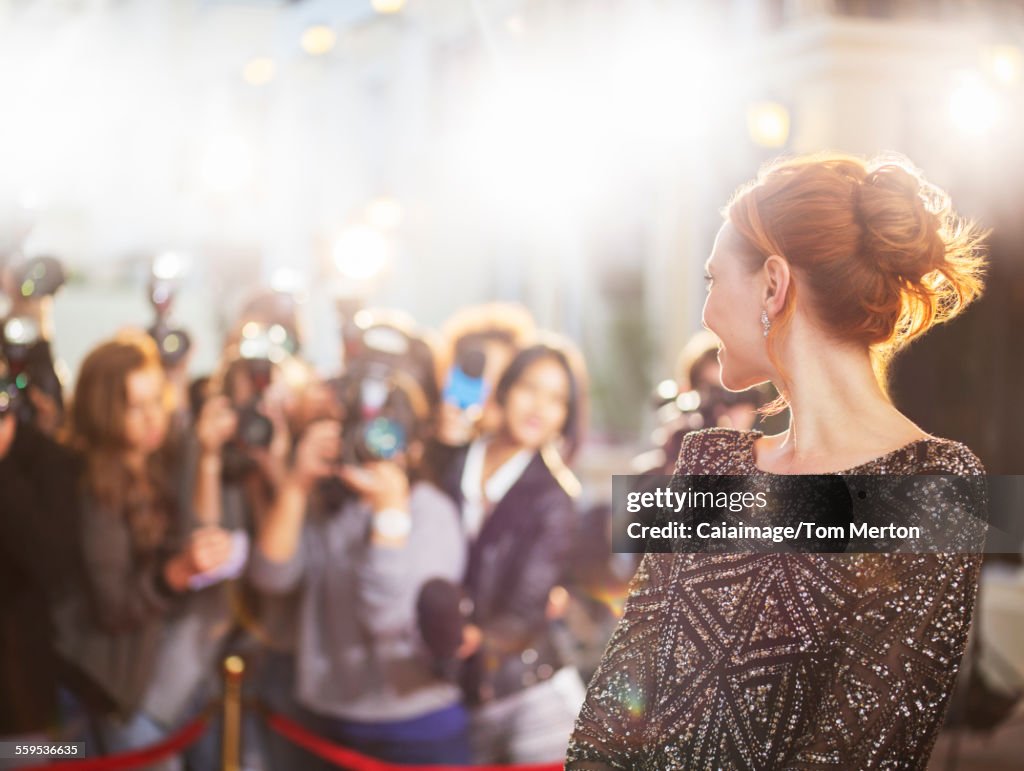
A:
[441,622]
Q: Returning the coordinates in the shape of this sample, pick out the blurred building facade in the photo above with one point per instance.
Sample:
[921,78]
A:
[572,155]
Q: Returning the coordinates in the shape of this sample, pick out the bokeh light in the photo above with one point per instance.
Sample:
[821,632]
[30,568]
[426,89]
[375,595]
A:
[388,6]
[318,40]
[360,253]
[1004,63]
[259,71]
[973,104]
[768,124]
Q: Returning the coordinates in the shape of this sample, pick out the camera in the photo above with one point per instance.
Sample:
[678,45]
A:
[386,391]
[10,396]
[246,380]
[37,277]
[23,347]
[383,411]
[380,419]
[380,342]
[173,342]
[383,402]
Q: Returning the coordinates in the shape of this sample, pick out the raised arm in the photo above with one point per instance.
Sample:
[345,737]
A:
[616,719]
[216,425]
[123,593]
[277,565]
[394,569]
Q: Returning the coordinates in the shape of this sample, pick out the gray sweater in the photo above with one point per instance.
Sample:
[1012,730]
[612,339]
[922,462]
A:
[359,654]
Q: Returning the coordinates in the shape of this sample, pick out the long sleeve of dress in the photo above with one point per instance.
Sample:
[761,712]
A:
[617,715]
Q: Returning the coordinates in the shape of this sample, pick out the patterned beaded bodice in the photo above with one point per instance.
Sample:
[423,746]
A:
[777,661]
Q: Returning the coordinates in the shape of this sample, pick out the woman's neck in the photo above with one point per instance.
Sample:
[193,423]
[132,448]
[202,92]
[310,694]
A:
[499,450]
[838,409]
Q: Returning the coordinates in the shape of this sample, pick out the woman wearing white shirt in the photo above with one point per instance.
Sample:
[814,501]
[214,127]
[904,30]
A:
[516,497]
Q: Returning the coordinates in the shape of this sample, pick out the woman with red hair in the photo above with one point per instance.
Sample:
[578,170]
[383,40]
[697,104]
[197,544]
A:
[824,268]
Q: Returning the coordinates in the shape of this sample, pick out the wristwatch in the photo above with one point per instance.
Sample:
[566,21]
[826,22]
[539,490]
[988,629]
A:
[393,524]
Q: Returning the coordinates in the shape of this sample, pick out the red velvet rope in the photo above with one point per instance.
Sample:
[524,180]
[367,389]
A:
[329,751]
[172,745]
[354,761]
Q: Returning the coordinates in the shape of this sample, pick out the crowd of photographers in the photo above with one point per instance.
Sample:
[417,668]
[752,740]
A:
[392,551]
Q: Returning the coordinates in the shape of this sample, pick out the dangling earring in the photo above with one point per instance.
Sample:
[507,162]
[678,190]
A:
[765,322]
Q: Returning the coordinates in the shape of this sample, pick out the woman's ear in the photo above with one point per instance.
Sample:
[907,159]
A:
[777,277]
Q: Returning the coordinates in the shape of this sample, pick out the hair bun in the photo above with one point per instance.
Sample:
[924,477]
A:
[882,255]
[902,217]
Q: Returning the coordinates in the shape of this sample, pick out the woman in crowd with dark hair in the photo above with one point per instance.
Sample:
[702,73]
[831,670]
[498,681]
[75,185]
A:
[137,561]
[825,267]
[479,341]
[516,497]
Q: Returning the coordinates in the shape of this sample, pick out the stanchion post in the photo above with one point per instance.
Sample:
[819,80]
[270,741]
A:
[231,731]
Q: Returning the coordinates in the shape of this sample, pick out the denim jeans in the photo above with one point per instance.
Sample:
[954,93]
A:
[137,732]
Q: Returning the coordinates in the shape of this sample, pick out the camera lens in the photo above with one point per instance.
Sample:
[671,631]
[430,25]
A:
[383,438]
[8,393]
[174,345]
[254,428]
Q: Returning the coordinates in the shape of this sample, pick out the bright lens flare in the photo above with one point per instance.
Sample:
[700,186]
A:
[615,601]
[385,213]
[973,105]
[1004,63]
[531,147]
[768,124]
[286,280]
[227,165]
[360,253]
[169,265]
[667,389]
[634,703]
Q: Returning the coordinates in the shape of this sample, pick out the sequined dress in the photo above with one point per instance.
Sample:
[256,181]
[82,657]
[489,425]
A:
[784,661]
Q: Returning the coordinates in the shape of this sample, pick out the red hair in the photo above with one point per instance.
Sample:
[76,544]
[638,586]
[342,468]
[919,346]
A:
[880,252]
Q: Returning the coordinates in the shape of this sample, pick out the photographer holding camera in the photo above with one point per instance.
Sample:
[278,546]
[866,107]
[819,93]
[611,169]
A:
[29,386]
[38,505]
[355,531]
[37,566]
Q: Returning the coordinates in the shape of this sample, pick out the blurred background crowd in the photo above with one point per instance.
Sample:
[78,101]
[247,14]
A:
[326,324]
